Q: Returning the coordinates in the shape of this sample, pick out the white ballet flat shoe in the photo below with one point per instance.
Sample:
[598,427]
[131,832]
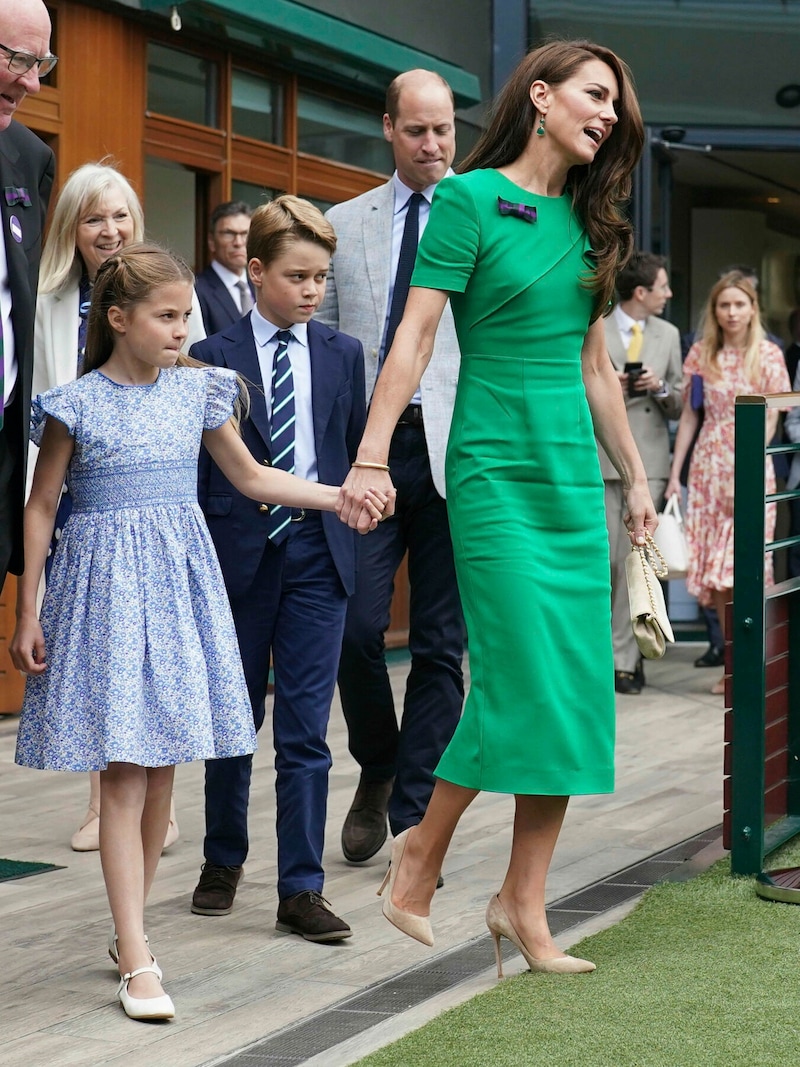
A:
[113,952]
[87,837]
[147,1007]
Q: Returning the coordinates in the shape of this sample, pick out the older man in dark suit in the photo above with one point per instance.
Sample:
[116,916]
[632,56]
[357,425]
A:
[26,177]
[223,288]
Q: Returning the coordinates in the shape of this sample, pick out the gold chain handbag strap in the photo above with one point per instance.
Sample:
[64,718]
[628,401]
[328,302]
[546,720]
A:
[650,553]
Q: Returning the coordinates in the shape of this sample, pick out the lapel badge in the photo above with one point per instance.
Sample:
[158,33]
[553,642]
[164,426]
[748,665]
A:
[16,229]
[17,195]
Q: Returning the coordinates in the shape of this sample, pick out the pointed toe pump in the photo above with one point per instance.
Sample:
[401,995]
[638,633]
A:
[416,926]
[500,926]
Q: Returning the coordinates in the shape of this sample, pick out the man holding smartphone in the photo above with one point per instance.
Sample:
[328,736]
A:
[646,353]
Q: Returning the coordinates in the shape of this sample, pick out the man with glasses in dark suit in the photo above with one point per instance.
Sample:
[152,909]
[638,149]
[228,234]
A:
[26,177]
[223,288]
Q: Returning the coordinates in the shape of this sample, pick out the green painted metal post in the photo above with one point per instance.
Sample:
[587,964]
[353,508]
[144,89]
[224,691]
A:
[747,770]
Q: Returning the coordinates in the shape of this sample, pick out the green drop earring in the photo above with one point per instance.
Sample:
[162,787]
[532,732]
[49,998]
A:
[540,130]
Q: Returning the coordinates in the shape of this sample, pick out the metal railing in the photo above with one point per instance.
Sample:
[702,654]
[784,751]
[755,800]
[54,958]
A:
[765,728]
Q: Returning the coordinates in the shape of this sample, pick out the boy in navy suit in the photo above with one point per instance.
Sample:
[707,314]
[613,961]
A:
[288,574]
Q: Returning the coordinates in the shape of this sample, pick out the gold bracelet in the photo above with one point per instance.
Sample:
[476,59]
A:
[371,466]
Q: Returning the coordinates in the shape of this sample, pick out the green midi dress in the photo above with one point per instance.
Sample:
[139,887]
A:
[524,492]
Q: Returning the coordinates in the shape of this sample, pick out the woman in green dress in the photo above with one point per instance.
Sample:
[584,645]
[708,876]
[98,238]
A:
[526,243]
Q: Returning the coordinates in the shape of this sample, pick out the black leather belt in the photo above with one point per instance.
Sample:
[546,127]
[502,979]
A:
[412,416]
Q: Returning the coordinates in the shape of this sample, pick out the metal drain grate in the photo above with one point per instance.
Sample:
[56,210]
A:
[296,1044]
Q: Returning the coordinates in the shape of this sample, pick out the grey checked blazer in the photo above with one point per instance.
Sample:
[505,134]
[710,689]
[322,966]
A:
[648,416]
[356,303]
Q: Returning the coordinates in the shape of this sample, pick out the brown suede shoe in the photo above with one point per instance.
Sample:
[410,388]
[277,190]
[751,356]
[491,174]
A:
[309,914]
[365,829]
[216,889]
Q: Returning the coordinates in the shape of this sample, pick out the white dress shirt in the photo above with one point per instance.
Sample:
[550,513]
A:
[305,452]
[231,282]
[9,362]
[625,326]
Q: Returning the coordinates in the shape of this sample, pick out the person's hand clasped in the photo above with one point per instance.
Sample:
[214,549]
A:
[647,382]
[373,508]
[640,518]
[367,496]
[27,647]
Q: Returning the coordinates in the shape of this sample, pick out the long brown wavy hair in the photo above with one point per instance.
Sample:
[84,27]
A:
[599,189]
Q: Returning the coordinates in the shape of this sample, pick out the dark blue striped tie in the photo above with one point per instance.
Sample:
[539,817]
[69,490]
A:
[282,430]
[405,268]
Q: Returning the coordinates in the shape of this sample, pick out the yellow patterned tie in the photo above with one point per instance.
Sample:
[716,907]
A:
[635,347]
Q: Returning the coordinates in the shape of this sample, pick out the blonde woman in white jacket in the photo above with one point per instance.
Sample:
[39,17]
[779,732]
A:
[97,214]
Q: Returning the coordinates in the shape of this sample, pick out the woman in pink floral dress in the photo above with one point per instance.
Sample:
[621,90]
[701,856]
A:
[731,358]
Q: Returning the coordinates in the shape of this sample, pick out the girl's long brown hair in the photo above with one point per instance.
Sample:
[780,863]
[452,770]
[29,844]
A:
[125,280]
[599,189]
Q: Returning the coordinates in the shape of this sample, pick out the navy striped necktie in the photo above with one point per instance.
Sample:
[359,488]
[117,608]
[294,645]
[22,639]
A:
[405,268]
[282,430]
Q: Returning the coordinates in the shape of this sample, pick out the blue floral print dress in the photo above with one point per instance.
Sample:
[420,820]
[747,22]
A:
[142,659]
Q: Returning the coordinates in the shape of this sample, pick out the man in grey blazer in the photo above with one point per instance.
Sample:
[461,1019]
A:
[652,398]
[397,762]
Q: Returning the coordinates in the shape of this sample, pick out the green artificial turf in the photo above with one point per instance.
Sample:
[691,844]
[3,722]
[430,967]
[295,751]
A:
[13,869]
[701,974]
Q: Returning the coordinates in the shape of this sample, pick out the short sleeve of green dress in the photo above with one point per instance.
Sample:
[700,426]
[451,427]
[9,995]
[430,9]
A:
[524,491]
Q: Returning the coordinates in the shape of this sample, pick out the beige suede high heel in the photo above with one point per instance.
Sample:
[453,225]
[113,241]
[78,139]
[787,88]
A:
[500,926]
[416,926]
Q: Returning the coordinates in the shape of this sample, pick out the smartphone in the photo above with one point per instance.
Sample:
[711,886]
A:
[633,370]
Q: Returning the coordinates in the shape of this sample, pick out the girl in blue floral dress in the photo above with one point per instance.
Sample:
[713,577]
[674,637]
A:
[134,666]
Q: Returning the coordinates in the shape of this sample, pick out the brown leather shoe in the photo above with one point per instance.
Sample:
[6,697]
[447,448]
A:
[309,914]
[364,831]
[627,682]
[216,889]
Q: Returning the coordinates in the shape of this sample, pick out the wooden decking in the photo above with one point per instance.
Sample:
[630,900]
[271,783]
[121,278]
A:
[234,979]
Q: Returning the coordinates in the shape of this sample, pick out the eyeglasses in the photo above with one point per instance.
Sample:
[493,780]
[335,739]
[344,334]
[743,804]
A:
[21,62]
[232,235]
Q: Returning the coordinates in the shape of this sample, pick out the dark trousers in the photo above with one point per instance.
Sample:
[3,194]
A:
[294,609]
[435,686]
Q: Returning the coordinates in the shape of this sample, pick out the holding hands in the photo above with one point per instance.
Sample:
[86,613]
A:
[367,496]
[374,506]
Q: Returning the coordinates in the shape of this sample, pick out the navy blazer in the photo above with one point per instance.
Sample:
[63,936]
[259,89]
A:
[237,525]
[26,177]
[216,303]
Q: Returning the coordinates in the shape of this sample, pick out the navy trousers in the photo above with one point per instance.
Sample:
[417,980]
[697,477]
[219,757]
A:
[295,610]
[435,686]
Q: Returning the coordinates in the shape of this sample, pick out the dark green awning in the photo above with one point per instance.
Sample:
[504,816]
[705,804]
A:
[312,42]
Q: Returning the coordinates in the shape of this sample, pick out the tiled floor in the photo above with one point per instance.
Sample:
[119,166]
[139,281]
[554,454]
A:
[235,980]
